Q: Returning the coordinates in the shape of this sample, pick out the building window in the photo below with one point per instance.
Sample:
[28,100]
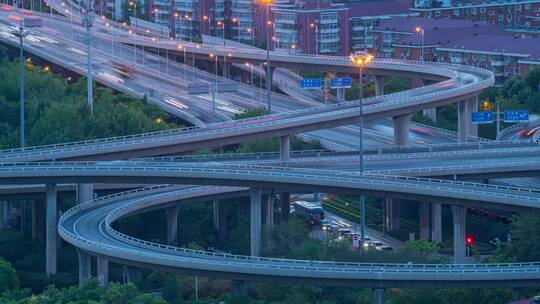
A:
[429,14]
[527,6]
[329,17]
[500,18]
[437,13]
[473,11]
[456,12]
[482,10]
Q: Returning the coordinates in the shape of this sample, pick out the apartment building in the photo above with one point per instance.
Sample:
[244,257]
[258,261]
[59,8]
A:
[516,14]
[460,42]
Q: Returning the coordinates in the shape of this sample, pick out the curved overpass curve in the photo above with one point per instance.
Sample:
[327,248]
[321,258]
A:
[88,226]
[279,178]
[322,117]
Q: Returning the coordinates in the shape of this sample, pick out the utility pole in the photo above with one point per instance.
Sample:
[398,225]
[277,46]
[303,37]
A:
[88,21]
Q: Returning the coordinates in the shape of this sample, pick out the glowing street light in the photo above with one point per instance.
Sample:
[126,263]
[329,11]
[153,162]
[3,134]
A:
[421,32]
[267,4]
[359,59]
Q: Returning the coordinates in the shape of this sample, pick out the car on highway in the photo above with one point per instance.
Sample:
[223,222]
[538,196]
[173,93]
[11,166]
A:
[344,232]
[124,70]
[377,245]
[326,225]
[387,248]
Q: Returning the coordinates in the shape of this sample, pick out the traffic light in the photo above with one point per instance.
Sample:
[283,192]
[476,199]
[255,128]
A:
[469,240]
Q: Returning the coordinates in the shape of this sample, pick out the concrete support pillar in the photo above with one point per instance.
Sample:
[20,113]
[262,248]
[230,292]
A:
[431,114]
[436,222]
[458,214]
[33,212]
[243,207]
[50,229]
[84,266]
[85,193]
[4,215]
[378,295]
[284,149]
[227,70]
[341,93]
[272,69]
[285,208]
[172,225]
[102,272]
[255,220]
[245,76]
[463,121]
[392,214]
[379,85]
[220,220]
[269,210]
[519,294]
[472,107]
[22,219]
[423,210]
[40,220]
[239,288]
[401,129]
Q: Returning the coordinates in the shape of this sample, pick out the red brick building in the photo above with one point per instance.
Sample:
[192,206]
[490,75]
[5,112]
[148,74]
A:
[523,14]
[460,42]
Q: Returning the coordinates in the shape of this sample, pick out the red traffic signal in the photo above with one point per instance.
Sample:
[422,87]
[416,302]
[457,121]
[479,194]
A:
[469,240]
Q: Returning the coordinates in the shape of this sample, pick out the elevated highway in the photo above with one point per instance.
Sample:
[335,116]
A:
[88,227]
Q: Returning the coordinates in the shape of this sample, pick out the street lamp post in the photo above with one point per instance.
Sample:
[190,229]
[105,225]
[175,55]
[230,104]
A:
[88,20]
[21,33]
[359,59]
[190,25]
[213,88]
[316,26]
[222,24]
[421,31]
[268,3]
[251,83]
[250,31]
[237,21]
[205,18]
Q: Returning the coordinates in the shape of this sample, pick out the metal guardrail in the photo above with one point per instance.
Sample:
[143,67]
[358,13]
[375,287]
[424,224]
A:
[88,142]
[171,253]
[443,187]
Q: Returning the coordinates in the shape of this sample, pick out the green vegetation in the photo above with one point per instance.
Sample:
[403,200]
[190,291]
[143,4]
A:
[56,112]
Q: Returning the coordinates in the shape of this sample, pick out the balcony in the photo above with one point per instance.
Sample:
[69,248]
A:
[285,21]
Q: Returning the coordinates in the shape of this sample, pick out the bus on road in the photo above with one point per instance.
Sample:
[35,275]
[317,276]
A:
[312,213]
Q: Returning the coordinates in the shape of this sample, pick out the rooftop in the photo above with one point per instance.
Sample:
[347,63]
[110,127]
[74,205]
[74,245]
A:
[498,44]
[378,7]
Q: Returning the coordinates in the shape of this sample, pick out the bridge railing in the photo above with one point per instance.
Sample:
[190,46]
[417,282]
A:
[480,189]
[171,253]
[224,127]
[161,133]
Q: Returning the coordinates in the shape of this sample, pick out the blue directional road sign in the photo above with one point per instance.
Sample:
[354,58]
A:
[482,117]
[339,83]
[516,116]
[311,84]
